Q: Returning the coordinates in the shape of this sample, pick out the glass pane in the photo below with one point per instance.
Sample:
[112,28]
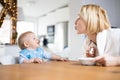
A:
[5,32]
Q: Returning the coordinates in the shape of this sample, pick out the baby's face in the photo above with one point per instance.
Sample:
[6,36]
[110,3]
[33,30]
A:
[33,42]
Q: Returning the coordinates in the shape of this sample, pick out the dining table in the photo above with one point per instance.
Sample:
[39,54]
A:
[58,70]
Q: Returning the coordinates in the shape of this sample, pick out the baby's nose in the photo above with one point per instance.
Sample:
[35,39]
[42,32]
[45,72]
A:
[38,41]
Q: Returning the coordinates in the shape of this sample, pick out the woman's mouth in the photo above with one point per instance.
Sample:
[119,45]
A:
[75,28]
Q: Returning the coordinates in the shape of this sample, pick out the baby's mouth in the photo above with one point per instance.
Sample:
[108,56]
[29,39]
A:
[38,42]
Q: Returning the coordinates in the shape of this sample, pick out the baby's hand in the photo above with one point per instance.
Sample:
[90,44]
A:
[63,59]
[37,60]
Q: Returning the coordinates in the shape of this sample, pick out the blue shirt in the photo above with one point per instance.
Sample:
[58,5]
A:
[37,53]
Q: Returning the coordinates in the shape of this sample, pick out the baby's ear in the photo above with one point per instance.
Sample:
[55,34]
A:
[26,44]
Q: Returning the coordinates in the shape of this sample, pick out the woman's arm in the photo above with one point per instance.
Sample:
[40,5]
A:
[108,60]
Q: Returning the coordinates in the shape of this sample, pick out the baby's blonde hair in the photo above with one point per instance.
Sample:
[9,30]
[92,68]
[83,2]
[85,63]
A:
[22,38]
[95,17]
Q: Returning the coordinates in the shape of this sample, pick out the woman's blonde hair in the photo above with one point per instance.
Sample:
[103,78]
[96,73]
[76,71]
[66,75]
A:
[22,38]
[95,17]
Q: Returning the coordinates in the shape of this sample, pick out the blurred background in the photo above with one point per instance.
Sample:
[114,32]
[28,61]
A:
[53,23]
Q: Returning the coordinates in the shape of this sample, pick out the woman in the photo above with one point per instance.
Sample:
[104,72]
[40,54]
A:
[101,39]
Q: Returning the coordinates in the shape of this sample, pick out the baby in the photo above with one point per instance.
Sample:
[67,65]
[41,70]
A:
[31,52]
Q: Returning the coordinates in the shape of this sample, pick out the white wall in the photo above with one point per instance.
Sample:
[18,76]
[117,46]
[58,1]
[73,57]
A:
[52,18]
[76,41]
[61,36]
[59,18]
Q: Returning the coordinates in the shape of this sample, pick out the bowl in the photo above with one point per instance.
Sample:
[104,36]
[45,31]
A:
[87,61]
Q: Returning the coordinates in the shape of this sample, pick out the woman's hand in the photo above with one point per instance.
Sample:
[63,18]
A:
[91,52]
[106,60]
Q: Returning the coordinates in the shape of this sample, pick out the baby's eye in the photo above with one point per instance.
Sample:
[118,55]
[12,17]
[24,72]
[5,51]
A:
[34,38]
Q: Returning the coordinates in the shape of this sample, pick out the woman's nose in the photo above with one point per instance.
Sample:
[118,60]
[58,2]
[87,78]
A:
[76,21]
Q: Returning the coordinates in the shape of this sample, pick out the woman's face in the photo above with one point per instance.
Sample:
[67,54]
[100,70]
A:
[80,25]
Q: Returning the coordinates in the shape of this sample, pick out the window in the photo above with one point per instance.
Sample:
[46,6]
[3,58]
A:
[5,32]
[22,26]
[50,32]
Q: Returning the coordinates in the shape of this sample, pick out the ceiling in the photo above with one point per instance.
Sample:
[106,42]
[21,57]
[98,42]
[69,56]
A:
[37,8]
